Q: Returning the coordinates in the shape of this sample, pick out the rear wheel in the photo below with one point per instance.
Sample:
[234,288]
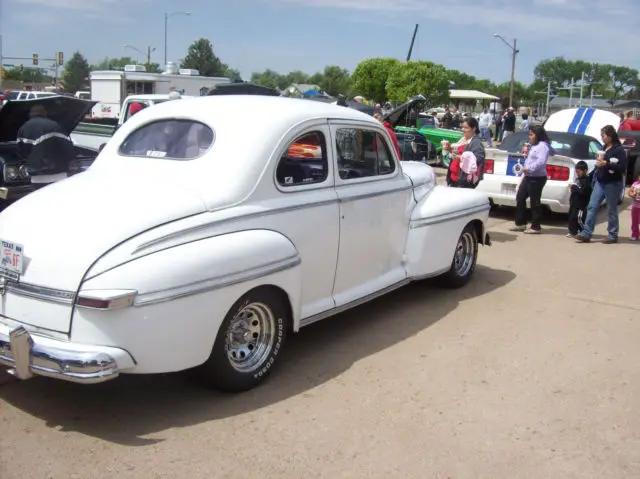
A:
[248,343]
[464,260]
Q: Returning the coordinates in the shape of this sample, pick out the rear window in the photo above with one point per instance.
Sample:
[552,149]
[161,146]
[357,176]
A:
[12,95]
[169,139]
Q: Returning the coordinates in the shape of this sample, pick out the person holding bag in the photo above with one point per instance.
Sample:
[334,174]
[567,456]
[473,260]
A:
[467,159]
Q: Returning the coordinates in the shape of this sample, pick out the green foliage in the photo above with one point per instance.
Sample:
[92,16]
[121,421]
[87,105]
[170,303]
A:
[406,80]
[200,57]
[371,75]
[76,73]
[119,64]
[610,81]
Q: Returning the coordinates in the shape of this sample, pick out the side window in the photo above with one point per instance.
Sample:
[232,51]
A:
[594,148]
[30,96]
[304,162]
[362,153]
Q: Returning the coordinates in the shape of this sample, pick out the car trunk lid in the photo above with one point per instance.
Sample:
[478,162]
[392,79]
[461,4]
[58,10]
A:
[65,227]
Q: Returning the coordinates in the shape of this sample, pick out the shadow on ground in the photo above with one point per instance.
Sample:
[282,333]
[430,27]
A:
[127,409]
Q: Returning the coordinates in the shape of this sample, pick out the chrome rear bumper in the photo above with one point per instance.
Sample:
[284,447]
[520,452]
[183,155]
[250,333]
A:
[27,355]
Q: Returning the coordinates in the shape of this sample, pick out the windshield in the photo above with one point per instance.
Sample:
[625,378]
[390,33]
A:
[85,96]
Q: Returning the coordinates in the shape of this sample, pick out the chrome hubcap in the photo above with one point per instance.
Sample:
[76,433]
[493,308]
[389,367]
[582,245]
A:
[464,255]
[251,337]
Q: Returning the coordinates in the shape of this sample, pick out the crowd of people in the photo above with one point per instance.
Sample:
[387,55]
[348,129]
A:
[588,191]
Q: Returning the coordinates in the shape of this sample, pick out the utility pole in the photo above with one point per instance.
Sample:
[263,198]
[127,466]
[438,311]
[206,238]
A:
[149,58]
[413,39]
[571,93]
[581,86]
[546,112]
[513,72]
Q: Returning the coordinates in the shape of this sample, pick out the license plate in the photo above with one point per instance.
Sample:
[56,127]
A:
[509,189]
[11,260]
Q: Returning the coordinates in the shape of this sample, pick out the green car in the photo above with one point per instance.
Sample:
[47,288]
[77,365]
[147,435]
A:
[399,119]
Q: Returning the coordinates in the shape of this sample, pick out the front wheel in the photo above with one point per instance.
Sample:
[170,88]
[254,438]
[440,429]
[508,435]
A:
[249,342]
[464,260]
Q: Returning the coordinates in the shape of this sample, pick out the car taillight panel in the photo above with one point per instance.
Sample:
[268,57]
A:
[628,142]
[557,173]
[488,167]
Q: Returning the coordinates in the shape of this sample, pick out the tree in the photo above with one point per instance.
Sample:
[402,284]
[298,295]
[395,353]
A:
[621,80]
[269,78]
[200,57]
[333,80]
[76,72]
[461,81]
[231,73]
[370,77]
[418,78]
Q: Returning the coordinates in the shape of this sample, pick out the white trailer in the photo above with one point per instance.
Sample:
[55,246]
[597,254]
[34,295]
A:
[109,88]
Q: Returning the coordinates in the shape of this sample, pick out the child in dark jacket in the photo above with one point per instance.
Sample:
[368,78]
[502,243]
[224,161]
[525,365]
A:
[579,199]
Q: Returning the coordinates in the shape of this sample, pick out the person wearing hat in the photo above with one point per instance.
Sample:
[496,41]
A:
[509,122]
[579,200]
[135,107]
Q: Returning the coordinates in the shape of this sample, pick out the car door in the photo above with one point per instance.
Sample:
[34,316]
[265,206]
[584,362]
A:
[375,200]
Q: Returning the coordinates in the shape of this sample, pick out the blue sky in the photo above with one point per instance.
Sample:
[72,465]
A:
[306,35]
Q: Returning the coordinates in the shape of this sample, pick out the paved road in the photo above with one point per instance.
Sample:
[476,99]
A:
[529,372]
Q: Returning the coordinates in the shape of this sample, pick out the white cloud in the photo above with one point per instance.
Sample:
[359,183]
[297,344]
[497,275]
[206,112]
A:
[70,4]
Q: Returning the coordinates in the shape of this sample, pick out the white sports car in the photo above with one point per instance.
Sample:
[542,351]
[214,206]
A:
[574,134]
[184,245]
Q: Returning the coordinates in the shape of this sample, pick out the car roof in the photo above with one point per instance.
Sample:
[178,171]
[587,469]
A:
[274,110]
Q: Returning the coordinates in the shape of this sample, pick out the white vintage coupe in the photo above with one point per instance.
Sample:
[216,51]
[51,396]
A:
[189,245]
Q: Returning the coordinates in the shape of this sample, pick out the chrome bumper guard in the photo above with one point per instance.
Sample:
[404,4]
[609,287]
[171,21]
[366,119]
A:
[26,358]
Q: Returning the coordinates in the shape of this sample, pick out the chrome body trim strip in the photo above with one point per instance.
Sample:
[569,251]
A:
[373,194]
[21,352]
[218,222]
[421,223]
[360,301]
[42,293]
[217,282]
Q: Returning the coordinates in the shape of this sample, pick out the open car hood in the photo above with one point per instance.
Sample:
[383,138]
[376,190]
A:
[242,89]
[399,115]
[584,121]
[67,111]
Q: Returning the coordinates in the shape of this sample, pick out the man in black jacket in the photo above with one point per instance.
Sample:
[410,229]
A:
[45,147]
[579,199]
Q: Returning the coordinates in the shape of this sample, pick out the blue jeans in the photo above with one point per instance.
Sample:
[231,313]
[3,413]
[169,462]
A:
[610,192]
[485,134]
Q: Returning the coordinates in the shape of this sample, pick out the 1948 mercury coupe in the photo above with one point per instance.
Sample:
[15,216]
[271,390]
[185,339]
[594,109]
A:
[186,246]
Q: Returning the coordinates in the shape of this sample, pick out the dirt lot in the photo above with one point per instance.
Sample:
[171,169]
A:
[531,371]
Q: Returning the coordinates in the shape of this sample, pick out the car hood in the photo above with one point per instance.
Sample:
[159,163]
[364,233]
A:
[65,227]
[398,116]
[584,121]
[65,110]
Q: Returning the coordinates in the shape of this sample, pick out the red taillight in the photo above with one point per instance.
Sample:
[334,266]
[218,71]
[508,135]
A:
[488,167]
[628,142]
[557,173]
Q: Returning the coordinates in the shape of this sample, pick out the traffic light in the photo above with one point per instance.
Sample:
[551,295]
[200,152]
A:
[20,68]
[35,58]
[60,58]
[4,73]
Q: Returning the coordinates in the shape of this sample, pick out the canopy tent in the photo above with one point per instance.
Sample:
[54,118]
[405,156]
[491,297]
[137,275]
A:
[470,95]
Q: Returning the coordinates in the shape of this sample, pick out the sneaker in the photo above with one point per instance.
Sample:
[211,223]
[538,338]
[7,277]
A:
[518,229]
[634,239]
[582,239]
[531,231]
[571,235]
[610,241]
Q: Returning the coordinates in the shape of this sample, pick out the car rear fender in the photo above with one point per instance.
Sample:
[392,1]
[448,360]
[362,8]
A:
[184,293]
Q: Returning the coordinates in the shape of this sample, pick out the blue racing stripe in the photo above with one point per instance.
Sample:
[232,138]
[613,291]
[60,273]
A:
[586,120]
[576,120]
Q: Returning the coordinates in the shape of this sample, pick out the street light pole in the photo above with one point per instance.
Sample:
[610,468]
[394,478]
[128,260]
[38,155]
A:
[147,53]
[514,53]
[166,27]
